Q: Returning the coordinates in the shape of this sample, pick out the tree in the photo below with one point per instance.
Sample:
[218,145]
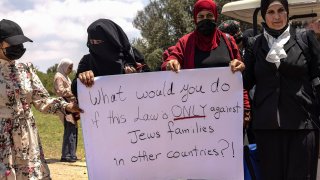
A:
[47,78]
[162,23]
[47,81]
[52,69]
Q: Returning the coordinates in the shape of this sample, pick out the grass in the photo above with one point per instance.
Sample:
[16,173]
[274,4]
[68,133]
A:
[51,134]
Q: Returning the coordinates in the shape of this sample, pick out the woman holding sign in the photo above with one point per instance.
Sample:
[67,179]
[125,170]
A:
[205,47]
[110,53]
[285,118]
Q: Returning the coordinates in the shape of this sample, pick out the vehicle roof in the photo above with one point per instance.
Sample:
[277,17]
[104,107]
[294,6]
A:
[244,9]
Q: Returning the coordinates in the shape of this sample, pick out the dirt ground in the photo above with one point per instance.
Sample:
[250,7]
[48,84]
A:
[78,170]
[67,171]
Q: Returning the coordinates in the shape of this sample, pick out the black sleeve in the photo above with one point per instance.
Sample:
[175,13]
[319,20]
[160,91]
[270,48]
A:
[82,67]
[314,63]
[74,87]
[249,61]
[314,46]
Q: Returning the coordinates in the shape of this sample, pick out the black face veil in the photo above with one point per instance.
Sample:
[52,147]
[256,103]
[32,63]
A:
[109,56]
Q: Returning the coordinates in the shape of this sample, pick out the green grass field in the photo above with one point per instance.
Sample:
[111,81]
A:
[51,134]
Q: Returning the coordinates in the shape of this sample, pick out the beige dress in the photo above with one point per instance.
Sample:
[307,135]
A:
[21,155]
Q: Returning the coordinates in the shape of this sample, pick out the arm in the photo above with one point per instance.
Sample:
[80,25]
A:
[82,67]
[74,89]
[248,79]
[60,89]
[249,61]
[41,99]
[314,47]
[314,65]
[44,103]
[85,72]
[236,63]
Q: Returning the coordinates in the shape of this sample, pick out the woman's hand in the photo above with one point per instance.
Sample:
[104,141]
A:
[246,118]
[129,69]
[237,65]
[87,78]
[73,108]
[173,65]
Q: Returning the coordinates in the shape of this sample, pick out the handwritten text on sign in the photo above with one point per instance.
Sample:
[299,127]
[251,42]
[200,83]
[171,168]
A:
[164,125]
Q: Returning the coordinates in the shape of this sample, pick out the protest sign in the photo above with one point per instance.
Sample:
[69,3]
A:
[164,125]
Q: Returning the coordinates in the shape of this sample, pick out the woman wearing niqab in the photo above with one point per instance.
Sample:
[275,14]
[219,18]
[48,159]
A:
[110,52]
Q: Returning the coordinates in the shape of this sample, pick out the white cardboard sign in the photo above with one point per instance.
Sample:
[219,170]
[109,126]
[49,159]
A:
[164,125]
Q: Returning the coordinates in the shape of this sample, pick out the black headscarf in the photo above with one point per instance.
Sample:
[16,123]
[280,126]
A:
[264,7]
[265,4]
[110,56]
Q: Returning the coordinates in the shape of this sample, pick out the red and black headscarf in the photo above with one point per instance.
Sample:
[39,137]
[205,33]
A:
[206,43]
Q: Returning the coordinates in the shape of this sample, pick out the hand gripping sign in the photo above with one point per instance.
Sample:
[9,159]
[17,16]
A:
[164,125]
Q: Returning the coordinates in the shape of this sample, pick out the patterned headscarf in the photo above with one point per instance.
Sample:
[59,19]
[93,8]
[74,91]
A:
[232,27]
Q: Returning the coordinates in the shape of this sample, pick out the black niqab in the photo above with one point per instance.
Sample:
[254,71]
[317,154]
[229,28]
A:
[109,56]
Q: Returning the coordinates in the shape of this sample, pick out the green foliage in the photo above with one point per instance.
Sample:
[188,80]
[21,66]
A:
[72,75]
[47,78]
[47,81]
[51,133]
[162,23]
[52,69]
[154,60]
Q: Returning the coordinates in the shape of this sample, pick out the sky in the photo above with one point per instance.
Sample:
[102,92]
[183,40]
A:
[58,28]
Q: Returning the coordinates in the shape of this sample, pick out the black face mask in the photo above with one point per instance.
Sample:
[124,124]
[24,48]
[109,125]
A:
[15,52]
[206,27]
[104,51]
